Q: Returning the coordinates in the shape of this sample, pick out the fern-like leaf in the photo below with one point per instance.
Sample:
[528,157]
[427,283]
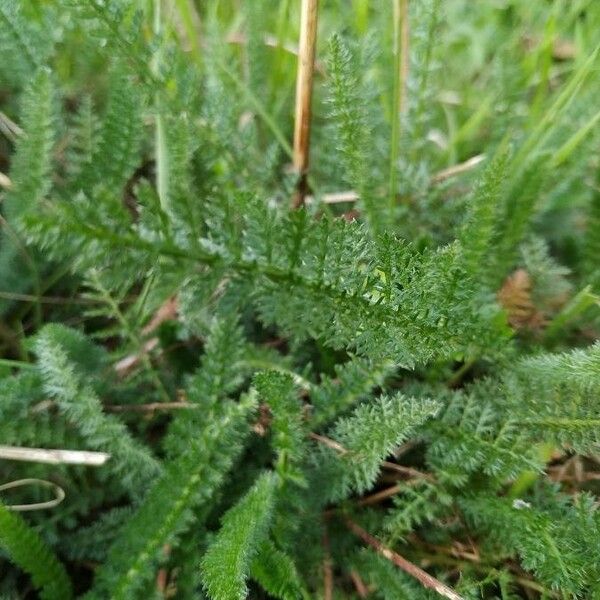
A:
[226,564]
[77,400]
[117,152]
[288,423]
[188,481]
[276,572]
[349,115]
[32,163]
[27,549]
[367,436]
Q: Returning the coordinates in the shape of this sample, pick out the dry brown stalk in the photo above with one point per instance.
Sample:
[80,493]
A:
[162,577]
[409,471]
[406,447]
[385,464]
[379,496]
[389,492]
[327,567]
[304,88]
[127,364]
[515,296]
[166,312]
[457,549]
[328,442]
[458,169]
[359,584]
[424,578]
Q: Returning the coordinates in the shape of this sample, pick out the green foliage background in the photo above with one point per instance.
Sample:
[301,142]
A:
[422,361]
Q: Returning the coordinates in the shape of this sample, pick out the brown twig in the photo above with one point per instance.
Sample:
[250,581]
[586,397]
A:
[304,88]
[456,549]
[328,442]
[127,364]
[390,491]
[359,584]
[458,169]
[406,447]
[327,567]
[385,464]
[383,494]
[166,312]
[162,577]
[409,471]
[573,471]
[379,496]
[424,578]
[517,573]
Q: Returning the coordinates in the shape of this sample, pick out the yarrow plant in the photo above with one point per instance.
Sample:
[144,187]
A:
[375,375]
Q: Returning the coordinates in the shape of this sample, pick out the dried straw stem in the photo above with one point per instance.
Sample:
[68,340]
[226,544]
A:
[424,578]
[5,181]
[54,457]
[59,494]
[304,87]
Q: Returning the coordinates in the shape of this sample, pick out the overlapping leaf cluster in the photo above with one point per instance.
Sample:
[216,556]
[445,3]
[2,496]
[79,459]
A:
[260,377]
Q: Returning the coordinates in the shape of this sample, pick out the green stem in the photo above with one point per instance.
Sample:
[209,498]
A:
[421,100]
[244,267]
[259,108]
[461,372]
[16,364]
[395,135]
[401,44]
[160,139]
